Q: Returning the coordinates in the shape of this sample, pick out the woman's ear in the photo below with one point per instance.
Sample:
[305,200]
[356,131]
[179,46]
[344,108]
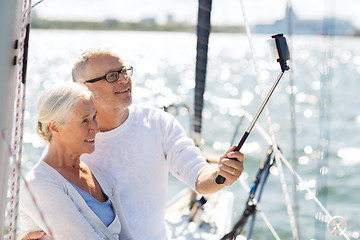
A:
[54,127]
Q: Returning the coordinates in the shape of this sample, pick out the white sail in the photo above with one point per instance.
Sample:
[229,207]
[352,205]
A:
[10,20]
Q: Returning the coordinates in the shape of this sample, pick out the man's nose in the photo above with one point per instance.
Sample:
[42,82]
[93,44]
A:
[122,79]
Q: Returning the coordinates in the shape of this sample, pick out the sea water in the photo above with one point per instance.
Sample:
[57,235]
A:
[325,73]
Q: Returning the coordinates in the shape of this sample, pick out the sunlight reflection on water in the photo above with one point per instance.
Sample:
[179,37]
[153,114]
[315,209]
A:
[164,69]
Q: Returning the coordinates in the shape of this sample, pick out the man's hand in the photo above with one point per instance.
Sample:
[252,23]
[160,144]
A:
[34,235]
[231,165]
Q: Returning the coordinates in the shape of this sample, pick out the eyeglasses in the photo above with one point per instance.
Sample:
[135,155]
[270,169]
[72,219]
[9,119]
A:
[113,76]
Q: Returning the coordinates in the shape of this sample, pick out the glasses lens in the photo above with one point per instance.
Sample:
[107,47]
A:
[129,71]
[112,77]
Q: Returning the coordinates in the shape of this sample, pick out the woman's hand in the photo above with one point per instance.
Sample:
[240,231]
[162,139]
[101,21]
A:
[34,235]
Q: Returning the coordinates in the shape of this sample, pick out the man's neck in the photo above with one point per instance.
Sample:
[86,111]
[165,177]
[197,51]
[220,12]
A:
[110,120]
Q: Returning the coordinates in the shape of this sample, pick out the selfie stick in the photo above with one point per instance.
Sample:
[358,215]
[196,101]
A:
[282,55]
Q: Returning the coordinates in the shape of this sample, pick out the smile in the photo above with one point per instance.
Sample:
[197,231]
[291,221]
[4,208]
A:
[124,91]
[90,140]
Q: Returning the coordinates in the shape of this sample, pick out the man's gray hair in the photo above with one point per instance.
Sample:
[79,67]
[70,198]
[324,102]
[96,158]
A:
[83,59]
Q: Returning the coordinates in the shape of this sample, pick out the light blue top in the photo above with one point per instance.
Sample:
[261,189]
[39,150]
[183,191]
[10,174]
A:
[64,212]
[103,210]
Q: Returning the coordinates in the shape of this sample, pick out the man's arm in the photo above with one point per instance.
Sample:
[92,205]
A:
[229,168]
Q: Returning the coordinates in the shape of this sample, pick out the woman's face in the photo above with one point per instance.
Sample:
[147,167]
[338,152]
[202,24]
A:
[77,135]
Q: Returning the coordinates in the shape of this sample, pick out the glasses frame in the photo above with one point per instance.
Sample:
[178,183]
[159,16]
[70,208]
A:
[121,71]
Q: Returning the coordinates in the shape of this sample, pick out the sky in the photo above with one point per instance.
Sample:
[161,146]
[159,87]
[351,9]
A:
[224,12]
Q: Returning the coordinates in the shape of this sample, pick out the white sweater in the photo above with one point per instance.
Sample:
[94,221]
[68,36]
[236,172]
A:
[66,214]
[139,154]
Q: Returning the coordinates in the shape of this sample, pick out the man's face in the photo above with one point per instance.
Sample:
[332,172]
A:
[108,96]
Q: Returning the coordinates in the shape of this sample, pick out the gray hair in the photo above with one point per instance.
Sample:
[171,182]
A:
[84,58]
[55,103]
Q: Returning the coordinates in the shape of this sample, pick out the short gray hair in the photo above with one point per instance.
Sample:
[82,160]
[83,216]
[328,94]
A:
[55,103]
[84,58]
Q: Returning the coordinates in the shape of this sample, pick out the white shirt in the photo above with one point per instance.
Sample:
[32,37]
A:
[139,154]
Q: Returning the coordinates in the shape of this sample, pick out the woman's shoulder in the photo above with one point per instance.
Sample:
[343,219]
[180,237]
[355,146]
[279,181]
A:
[39,171]
[42,177]
[42,182]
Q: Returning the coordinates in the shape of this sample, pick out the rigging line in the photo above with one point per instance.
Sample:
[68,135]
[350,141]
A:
[35,4]
[293,171]
[282,157]
[281,173]
[324,118]
[241,180]
[268,224]
[254,197]
[287,196]
[13,159]
[292,93]
[246,188]
[261,184]
[25,30]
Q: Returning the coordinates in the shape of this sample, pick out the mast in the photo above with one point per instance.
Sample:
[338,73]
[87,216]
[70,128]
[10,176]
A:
[203,32]
[10,15]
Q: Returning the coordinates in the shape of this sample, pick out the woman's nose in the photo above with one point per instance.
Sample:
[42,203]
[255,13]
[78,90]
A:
[95,127]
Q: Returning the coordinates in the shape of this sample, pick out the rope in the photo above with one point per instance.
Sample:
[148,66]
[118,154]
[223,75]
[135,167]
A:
[275,147]
[19,121]
[18,166]
[19,127]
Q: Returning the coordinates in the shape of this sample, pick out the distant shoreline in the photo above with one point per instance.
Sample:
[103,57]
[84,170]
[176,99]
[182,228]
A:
[38,23]
[114,25]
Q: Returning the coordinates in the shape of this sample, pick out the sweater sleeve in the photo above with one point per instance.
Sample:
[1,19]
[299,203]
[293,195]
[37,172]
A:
[63,220]
[185,160]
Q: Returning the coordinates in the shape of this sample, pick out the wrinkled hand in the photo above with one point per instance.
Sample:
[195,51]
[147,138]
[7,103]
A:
[231,165]
[34,235]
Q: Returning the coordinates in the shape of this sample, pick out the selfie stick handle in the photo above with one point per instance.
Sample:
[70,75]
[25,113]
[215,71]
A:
[220,179]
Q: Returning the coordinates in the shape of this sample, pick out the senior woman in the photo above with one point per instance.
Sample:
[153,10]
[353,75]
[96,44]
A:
[76,201]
